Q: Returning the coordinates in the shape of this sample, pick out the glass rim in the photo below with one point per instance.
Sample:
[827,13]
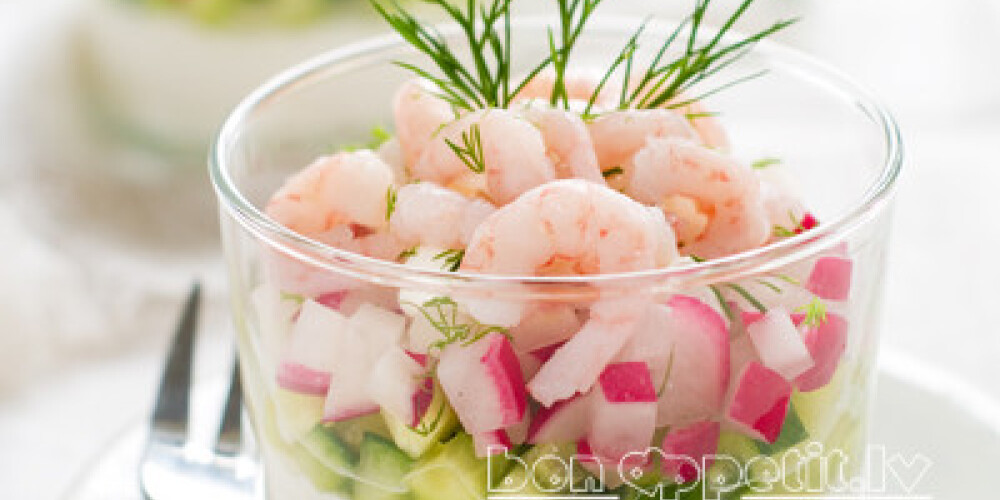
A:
[763,259]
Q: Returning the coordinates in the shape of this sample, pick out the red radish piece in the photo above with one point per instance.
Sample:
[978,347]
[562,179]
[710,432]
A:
[491,443]
[421,359]
[809,221]
[831,278]
[483,383]
[826,344]
[564,422]
[575,366]
[693,442]
[543,326]
[698,377]
[303,380]
[318,334]
[623,413]
[780,344]
[397,384]
[650,343]
[760,402]
[333,300]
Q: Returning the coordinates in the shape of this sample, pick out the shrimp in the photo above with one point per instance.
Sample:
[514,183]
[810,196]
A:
[570,227]
[567,141]
[337,199]
[619,135]
[713,194]
[706,125]
[512,153]
[419,115]
[430,215]
[580,88]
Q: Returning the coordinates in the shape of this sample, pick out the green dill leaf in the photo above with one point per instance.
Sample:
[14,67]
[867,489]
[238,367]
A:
[782,232]
[471,151]
[815,313]
[666,373]
[406,254]
[774,288]
[390,202]
[613,171]
[727,309]
[452,259]
[763,163]
[293,297]
[379,136]
[793,432]
[747,296]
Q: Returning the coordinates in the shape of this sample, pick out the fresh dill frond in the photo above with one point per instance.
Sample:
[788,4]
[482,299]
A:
[452,259]
[486,29]
[666,373]
[425,429]
[747,296]
[573,17]
[443,315]
[665,80]
[798,227]
[471,151]
[406,254]
[763,163]
[815,313]
[613,171]
[391,196]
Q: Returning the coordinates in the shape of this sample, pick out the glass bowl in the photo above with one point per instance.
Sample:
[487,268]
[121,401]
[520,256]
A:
[353,393]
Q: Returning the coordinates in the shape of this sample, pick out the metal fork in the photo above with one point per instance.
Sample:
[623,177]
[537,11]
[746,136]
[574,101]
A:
[174,468]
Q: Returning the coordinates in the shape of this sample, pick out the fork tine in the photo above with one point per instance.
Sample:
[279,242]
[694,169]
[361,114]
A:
[170,415]
[230,431]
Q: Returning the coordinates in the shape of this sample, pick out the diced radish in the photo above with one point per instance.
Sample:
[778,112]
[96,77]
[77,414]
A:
[411,299]
[650,343]
[691,445]
[333,300]
[695,386]
[750,317]
[529,365]
[503,313]
[759,404]
[303,380]
[576,365]
[741,353]
[545,325]
[623,412]
[491,443]
[808,222]
[826,344]
[421,359]
[397,385]
[379,327]
[292,275]
[831,278]
[564,422]
[544,354]
[483,382]
[348,396]
[780,345]
[373,330]
[610,470]
[317,336]
[421,335]
[384,297]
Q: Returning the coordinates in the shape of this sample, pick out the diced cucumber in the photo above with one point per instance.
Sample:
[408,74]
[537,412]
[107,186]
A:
[449,471]
[330,450]
[517,483]
[381,470]
[792,433]
[321,476]
[818,409]
[353,430]
[296,414]
[550,464]
[439,422]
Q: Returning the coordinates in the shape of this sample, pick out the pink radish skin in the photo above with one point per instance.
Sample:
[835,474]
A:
[650,344]
[333,300]
[623,413]
[627,383]
[760,403]
[780,344]
[831,278]
[564,422]
[826,344]
[491,443]
[483,382]
[575,366]
[695,441]
[303,380]
[699,372]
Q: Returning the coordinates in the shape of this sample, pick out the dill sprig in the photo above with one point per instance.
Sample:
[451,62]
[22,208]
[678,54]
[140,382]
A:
[452,259]
[815,313]
[391,196]
[573,16]
[487,32]
[611,172]
[471,151]
[763,163]
[664,80]
[406,254]
[443,314]
[798,226]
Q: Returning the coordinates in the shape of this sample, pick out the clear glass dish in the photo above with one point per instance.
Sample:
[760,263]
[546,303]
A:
[724,420]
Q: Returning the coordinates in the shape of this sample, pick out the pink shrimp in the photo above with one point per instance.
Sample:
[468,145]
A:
[715,200]
[419,115]
[427,214]
[567,141]
[619,135]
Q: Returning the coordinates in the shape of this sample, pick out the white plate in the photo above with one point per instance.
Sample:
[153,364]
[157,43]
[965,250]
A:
[919,412]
